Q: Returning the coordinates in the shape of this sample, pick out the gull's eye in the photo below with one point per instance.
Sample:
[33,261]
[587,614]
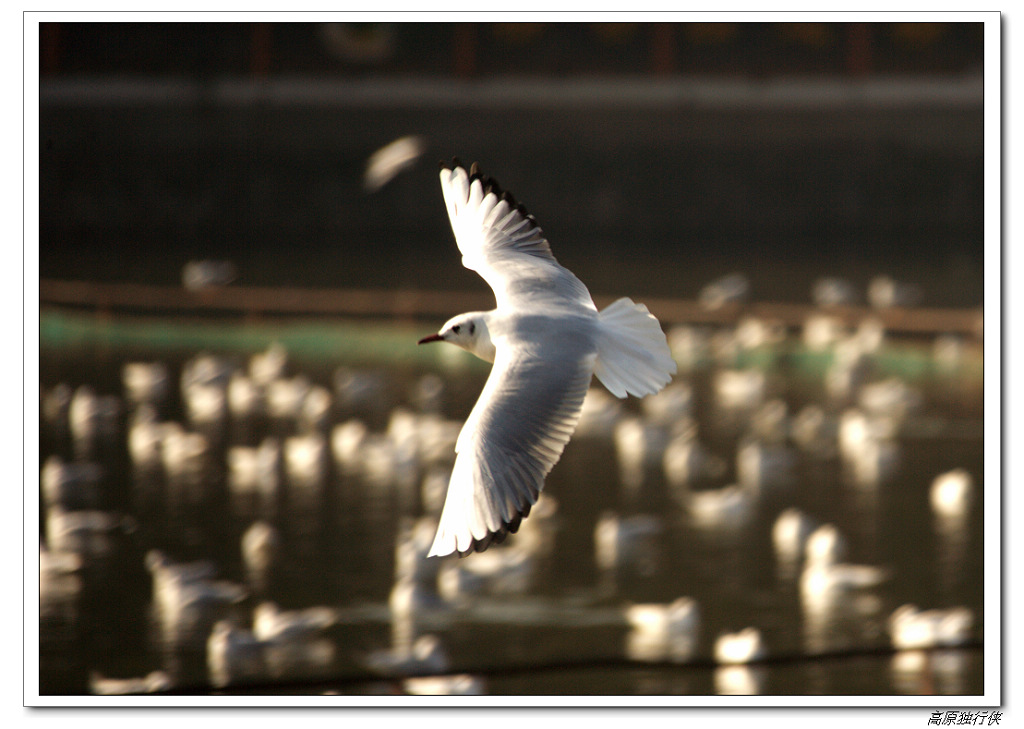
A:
[456,328]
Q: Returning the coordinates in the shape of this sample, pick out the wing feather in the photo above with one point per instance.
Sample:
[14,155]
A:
[502,242]
[513,437]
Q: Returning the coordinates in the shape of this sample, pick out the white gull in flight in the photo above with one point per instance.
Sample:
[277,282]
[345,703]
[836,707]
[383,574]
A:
[546,338]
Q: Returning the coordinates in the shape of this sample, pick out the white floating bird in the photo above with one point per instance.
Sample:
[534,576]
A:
[876,462]
[286,396]
[830,292]
[295,642]
[460,684]
[234,656]
[669,406]
[911,628]
[71,486]
[822,331]
[729,507]
[746,646]
[752,332]
[269,622]
[765,467]
[93,421]
[145,382]
[506,571]
[254,478]
[628,543]
[826,579]
[207,369]
[690,345]
[825,545]
[740,389]
[885,293]
[145,439]
[151,683]
[790,533]
[315,411]
[185,455]
[951,493]
[545,338]
[661,632]
[261,549]
[306,460]
[890,397]
[347,441]
[814,431]
[739,680]
[91,535]
[639,450]
[771,422]
[245,397]
[54,408]
[822,585]
[857,428]
[60,584]
[949,352]
[426,655]
[269,365]
[187,604]
[687,460]
[205,404]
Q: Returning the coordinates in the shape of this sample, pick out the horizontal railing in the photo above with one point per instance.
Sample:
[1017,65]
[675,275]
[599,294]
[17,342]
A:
[424,304]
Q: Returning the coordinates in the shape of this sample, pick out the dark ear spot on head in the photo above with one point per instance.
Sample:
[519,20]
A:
[472,327]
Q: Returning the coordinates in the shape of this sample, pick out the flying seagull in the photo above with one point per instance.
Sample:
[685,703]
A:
[546,338]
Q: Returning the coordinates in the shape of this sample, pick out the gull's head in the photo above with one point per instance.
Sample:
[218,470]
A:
[468,331]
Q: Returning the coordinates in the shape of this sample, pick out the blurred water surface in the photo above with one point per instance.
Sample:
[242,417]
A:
[235,489]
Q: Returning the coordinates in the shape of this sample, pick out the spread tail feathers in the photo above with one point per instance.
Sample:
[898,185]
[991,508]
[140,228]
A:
[632,354]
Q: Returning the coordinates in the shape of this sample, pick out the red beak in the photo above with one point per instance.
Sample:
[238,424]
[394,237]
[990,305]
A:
[431,338]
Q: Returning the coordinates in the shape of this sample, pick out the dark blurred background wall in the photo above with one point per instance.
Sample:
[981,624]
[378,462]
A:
[655,156]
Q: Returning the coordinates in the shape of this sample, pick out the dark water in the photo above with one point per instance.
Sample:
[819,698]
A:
[564,633]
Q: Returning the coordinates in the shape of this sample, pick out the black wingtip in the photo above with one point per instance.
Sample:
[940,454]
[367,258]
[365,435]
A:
[499,536]
[454,164]
[490,185]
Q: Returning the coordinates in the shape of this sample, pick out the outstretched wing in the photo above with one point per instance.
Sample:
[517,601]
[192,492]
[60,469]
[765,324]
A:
[503,243]
[515,434]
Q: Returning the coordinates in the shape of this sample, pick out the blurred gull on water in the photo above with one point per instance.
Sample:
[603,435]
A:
[885,292]
[831,292]
[146,382]
[952,493]
[234,656]
[912,628]
[745,646]
[295,642]
[790,533]
[663,632]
